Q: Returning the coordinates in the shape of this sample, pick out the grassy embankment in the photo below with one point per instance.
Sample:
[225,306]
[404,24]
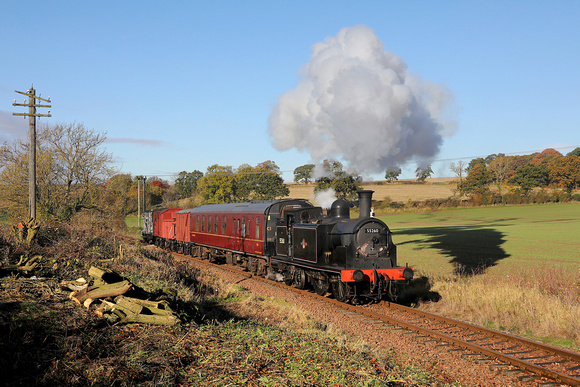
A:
[227,336]
[515,268]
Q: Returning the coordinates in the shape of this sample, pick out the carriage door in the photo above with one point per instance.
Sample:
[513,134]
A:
[237,236]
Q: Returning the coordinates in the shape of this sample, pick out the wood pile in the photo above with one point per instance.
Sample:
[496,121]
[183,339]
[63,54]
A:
[106,296]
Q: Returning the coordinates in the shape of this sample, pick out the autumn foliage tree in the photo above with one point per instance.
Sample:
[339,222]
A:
[565,172]
[157,189]
[476,181]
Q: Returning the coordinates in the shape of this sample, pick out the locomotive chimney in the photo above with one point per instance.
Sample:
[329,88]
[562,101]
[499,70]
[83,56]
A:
[365,200]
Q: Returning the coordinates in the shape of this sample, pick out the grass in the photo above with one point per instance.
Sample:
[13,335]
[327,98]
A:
[246,352]
[502,239]
[515,268]
[543,303]
[133,226]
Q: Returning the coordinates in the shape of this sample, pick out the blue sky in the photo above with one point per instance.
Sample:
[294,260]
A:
[182,85]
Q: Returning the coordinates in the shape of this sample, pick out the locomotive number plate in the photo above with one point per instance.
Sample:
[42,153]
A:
[372,230]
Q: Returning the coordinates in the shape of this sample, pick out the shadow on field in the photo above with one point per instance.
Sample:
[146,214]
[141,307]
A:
[471,249]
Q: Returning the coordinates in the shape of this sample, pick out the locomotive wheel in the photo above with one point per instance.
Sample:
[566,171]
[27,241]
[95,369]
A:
[321,285]
[341,291]
[299,279]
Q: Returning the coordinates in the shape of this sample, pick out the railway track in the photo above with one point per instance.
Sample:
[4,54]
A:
[531,359]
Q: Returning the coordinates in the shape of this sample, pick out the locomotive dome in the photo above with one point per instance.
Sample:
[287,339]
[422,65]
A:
[340,209]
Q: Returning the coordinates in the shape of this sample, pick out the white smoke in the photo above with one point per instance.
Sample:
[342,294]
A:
[325,198]
[356,102]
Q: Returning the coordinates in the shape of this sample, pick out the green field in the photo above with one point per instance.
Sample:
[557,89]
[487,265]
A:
[504,239]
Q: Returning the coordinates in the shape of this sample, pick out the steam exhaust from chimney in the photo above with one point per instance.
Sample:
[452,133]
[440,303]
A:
[356,102]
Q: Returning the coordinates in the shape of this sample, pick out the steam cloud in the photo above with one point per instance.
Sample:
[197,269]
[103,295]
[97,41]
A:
[357,103]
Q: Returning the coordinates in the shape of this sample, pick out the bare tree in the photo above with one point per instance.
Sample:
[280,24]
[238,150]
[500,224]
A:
[459,169]
[70,166]
[500,167]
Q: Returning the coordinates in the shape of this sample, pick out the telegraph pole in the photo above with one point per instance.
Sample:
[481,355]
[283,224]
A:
[139,201]
[32,97]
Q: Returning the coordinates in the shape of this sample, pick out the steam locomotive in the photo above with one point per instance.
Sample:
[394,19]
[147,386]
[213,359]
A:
[289,240]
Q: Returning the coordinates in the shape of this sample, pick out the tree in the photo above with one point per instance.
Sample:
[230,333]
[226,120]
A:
[303,174]
[244,182]
[344,184]
[186,183]
[119,195]
[70,167]
[575,152]
[392,174]
[499,168]
[332,167]
[531,175]
[476,181]
[423,173]
[459,169]
[474,162]
[157,190]
[565,172]
[268,184]
[217,185]
[546,156]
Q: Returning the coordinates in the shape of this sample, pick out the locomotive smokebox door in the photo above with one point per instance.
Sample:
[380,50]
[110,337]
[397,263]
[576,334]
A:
[305,244]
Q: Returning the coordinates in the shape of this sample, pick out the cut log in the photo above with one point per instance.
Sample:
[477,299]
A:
[88,302]
[129,304]
[149,319]
[103,276]
[109,290]
[145,303]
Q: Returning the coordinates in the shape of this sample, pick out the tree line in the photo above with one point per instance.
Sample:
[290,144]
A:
[75,174]
[548,168]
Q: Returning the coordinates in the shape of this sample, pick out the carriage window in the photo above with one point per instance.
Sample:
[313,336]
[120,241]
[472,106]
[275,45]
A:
[224,225]
[203,223]
[249,228]
[215,225]
[197,223]
[243,226]
[257,228]
[209,224]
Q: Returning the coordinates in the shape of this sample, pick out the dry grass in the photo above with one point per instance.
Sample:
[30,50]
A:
[542,303]
[401,191]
